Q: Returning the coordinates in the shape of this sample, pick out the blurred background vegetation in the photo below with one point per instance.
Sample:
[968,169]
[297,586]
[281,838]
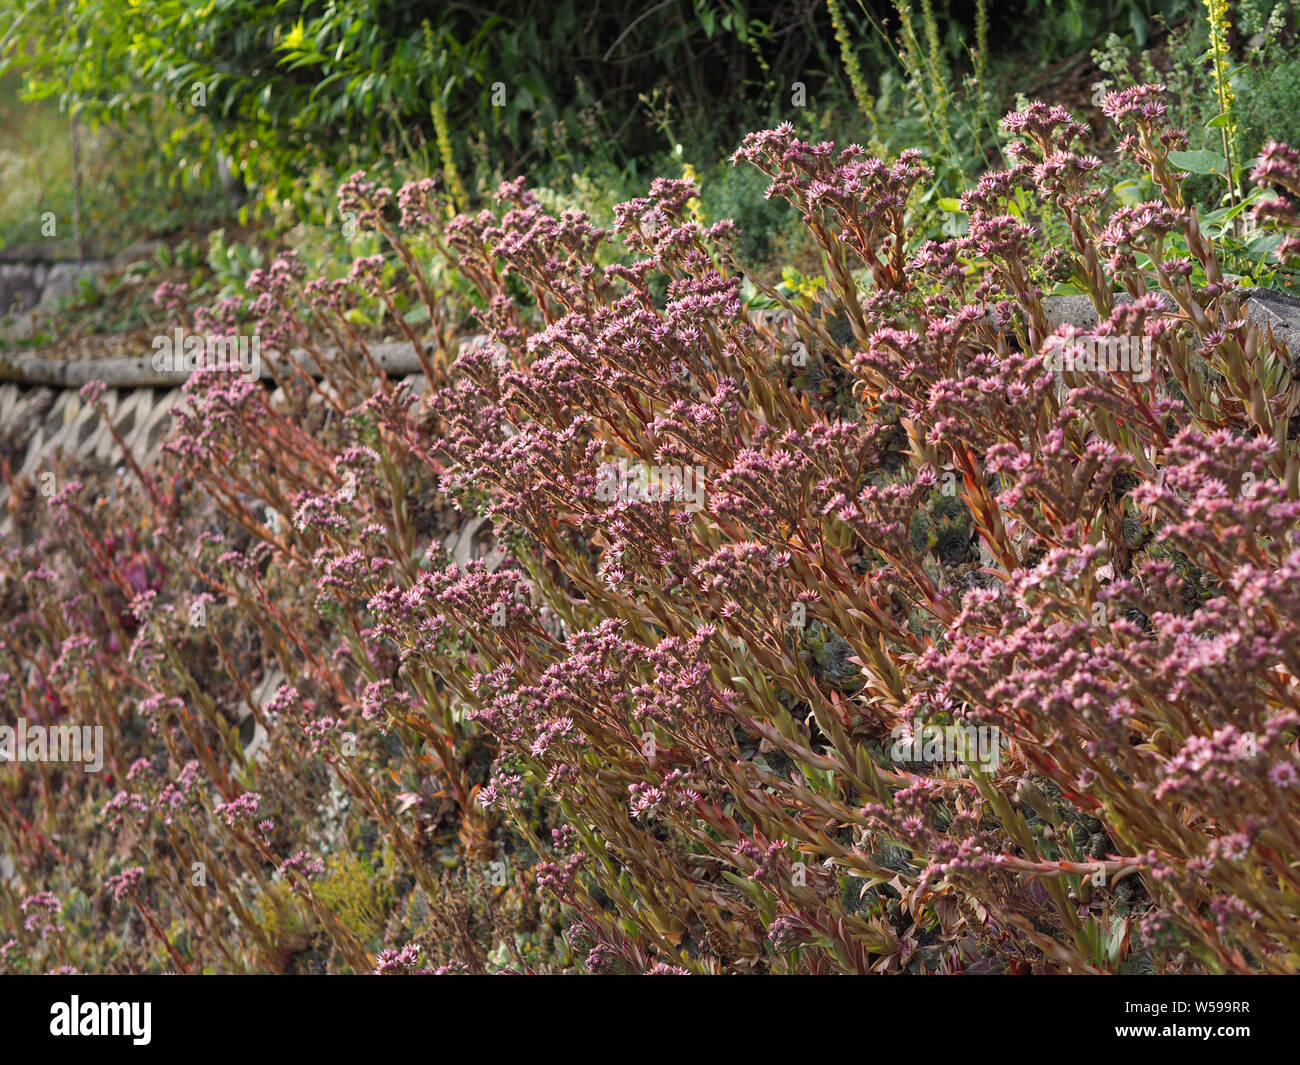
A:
[591,101]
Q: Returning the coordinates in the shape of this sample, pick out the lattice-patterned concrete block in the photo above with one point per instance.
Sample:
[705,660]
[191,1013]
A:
[142,416]
[122,418]
[153,424]
[252,736]
[473,541]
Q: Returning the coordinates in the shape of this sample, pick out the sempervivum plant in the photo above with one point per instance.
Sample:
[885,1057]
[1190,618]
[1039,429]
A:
[989,664]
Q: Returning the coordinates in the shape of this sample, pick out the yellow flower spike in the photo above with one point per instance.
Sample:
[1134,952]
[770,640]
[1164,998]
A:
[693,204]
[1220,26]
